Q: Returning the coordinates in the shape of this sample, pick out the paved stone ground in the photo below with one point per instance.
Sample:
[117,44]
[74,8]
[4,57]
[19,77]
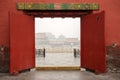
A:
[60,75]
[112,65]
[57,59]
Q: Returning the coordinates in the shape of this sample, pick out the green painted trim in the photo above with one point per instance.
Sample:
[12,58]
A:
[20,6]
[64,6]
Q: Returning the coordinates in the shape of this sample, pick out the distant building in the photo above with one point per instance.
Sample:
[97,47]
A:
[48,40]
[41,40]
[50,36]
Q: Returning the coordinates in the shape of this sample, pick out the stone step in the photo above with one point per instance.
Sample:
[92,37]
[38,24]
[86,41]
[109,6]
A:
[58,68]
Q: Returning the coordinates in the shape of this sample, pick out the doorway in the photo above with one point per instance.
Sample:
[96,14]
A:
[22,39]
[60,37]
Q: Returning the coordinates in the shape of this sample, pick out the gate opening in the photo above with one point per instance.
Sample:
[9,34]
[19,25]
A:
[57,42]
[22,38]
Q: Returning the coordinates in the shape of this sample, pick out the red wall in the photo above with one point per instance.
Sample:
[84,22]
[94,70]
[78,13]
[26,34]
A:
[112,18]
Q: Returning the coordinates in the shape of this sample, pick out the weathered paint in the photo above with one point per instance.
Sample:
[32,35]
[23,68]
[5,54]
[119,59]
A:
[4,59]
[64,6]
[113,58]
[112,18]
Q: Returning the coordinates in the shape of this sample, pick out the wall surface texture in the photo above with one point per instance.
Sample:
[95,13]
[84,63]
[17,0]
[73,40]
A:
[112,18]
[111,8]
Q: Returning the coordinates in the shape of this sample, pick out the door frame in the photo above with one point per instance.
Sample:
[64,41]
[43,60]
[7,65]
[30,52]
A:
[59,14]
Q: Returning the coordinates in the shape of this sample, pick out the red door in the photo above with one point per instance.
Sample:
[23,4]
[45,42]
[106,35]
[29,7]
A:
[22,44]
[93,55]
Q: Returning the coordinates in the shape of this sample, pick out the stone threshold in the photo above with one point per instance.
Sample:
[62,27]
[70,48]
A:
[58,68]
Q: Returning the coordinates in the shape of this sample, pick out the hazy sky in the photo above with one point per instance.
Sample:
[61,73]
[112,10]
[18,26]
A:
[69,27]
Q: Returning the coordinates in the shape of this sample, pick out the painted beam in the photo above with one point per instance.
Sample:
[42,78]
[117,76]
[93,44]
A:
[64,6]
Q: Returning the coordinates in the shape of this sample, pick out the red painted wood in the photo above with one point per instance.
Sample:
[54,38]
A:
[22,44]
[93,42]
[112,18]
